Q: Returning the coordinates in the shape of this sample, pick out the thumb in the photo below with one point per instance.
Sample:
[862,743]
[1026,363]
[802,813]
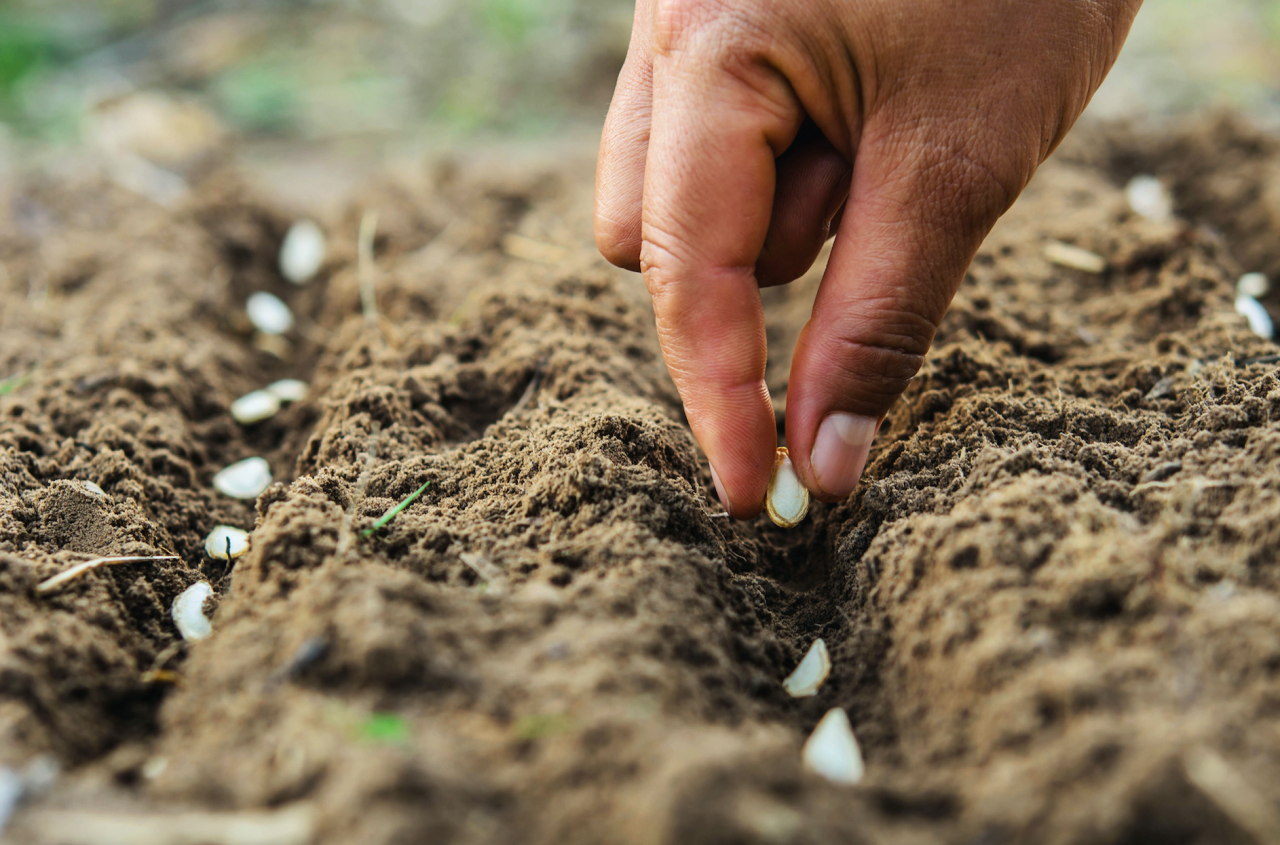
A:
[918,210]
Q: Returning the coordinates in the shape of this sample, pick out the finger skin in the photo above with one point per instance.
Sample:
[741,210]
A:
[909,231]
[708,199]
[624,145]
[812,185]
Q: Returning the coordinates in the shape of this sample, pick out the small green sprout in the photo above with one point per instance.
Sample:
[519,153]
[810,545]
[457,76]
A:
[394,512]
[12,383]
[386,728]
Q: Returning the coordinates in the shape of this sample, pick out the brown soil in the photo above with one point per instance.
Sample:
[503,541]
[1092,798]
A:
[1053,607]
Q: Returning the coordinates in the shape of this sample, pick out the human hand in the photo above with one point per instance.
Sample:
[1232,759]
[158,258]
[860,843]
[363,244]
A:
[743,132]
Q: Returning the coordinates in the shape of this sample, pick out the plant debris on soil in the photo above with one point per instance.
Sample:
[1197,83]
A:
[1052,607]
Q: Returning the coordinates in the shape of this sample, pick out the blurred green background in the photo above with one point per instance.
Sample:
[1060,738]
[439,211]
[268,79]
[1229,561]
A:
[154,77]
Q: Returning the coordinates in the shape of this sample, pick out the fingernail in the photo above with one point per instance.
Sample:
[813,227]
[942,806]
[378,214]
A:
[840,452]
[724,498]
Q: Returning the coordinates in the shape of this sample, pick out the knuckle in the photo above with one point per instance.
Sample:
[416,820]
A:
[619,251]
[659,265]
[971,182]
[674,20]
[618,242]
[716,27]
[880,361]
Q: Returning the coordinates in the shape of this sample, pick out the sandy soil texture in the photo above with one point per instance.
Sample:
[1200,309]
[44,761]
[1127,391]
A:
[1053,606]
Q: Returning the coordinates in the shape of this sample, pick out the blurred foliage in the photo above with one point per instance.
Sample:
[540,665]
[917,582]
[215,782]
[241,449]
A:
[313,69]
[321,69]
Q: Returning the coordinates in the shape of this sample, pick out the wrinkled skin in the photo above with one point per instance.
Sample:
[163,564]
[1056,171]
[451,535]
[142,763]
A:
[743,133]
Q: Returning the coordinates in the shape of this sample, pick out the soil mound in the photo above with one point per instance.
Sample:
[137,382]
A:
[1053,606]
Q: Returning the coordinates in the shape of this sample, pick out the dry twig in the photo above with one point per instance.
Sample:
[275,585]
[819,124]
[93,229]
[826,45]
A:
[81,568]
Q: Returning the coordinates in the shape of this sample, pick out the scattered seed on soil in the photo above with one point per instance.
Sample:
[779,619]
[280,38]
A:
[832,751]
[1163,389]
[268,313]
[10,794]
[255,407]
[188,612]
[394,512]
[226,542]
[787,500]
[244,479]
[288,389]
[81,568]
[1074,257]
[1256,313]
[811,673]
[154,767]
[1253,284]
[302,252]
[1147,197]
[94,489]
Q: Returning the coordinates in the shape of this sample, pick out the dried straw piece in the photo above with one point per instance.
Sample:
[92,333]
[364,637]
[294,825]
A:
[365,269]
[81,568]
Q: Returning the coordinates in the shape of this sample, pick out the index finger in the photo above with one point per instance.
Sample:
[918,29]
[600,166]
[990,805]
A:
[708,195]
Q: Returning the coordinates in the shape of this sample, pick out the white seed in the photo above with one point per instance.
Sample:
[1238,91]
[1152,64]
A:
[255,407]
[832,751]
[94,489]
[811,673]
[268,313]
[1074,257]
[154,767]
[787,501]
[302,252]
[1253,311]
[288,390]
[1147,196]
[11,788]
[224,539]
[244,479]
[1253,284]
[188,612]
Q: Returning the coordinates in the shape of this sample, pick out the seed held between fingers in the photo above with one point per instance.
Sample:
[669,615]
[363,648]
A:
[787,501]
